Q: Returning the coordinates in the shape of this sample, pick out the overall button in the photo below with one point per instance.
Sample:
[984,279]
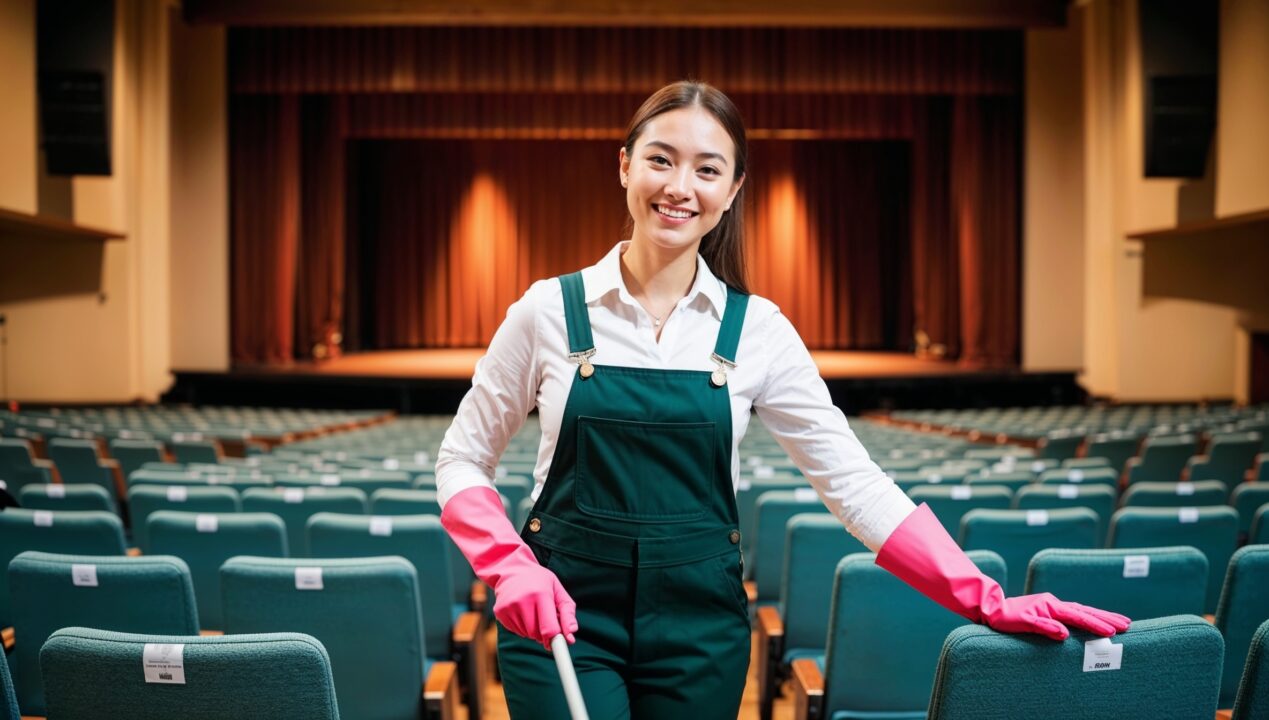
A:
[535,525]
[734,537]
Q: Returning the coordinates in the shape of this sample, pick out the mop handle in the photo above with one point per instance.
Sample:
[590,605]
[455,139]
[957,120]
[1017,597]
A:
[568,678]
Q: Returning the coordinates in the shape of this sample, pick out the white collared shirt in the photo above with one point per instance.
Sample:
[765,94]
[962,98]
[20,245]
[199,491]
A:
[527,366]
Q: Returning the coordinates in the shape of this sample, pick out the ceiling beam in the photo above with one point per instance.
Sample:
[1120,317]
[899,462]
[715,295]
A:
[699,13]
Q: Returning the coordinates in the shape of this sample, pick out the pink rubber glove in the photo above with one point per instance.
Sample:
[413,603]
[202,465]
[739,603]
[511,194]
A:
[530,601]
[922,554]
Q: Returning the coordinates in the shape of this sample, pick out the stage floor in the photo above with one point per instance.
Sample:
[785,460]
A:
[459,364]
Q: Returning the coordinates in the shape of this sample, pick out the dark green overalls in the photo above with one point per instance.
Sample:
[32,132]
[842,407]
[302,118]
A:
[637,518]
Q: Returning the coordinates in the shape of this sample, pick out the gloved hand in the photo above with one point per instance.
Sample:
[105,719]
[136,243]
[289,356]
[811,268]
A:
[530,601]
[922,554]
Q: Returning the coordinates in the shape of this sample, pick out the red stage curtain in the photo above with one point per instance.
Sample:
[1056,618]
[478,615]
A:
[319,294]
[265,201]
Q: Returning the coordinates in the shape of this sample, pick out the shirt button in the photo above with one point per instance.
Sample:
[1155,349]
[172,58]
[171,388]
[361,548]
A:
[734,537]
[536,525]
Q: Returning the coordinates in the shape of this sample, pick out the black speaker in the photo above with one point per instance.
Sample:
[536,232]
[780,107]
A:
[1179,58]
[75,42]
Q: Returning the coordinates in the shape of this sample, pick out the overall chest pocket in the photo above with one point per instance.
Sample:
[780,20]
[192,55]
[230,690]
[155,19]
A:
[642,471]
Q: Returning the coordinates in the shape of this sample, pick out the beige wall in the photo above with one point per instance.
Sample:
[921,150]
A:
[1053,203]
[17,98]
[200,203]
[88,322]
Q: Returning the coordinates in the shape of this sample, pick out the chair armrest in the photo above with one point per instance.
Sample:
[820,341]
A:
[751,591]
[808,690]
[1224,714]
[134,552]
[769,622]
[770,653]
[440,692]
[116,473]
[466,628]
[211,633]
[479,596]
[470,654]
[7,634]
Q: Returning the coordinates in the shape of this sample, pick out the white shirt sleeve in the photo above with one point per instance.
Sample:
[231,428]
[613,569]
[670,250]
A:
[503,391]
[795,406]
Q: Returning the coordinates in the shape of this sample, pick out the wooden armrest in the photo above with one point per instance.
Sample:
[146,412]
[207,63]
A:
[134,552]
[808,690]
[751,591]
[1224,714]
[211,633]
[116,472]
[440,691]
[1211,619]
[466,628]
[7,634]
[479,596]
[769,622]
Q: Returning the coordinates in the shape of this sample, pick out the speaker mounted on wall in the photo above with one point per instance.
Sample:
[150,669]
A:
[1179,59]
[75,51]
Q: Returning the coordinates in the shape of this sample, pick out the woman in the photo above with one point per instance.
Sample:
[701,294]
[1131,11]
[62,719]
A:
[644,369]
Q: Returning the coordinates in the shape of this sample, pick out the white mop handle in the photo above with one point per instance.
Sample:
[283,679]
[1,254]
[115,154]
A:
[568,678]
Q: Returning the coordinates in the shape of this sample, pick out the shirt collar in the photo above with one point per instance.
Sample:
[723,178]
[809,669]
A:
[605,276]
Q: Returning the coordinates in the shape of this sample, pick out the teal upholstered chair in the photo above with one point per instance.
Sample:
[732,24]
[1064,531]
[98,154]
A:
[19,467]
[772,512]
[128,594]
[1175,494]
[132,454]
[1162,459]
[196,451]
[146,499]
[1213,530]
[66,497]
[1015,480]
[1116,447]
[424,502]
[999,453]
[883,644]
[1084,463]
[1244,607]
[8,697]
[1169,668]
[1099,498]
[1081,476]
[949,503]
[206,540]
[82,533]
[296,505]
[1140,583]
[1246,499]
[1017,535]
[365,480]
[97,675]
[814,544]
[1253,691]
[1060,444]
[514,489]
[79,463]
[449,630]
[364,611]
[748,490]
[1259,532]
[1228,458]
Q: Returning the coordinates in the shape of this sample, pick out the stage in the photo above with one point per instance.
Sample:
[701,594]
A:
[434,381]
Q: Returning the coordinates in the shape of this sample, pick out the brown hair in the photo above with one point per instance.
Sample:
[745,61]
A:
[723,247]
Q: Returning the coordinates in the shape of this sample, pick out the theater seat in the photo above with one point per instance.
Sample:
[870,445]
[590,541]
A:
[1213,530]
[1140,583]
[1017,535]
[1244,607]
[1252,702]
[66,497]
[1169,668]
[97,675]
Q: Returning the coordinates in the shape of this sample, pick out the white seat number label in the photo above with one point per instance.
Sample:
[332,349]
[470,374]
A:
[84,575]
[43,518]
[1102,654]
[308,578]
[1068,492]
[805,495]
[293,495]
[205,523]
[1185,488]
[1037,517]
[1136,566]
[164,663]
[962,492]
[177,493]
[55,491]
[381,526]
[1187,514]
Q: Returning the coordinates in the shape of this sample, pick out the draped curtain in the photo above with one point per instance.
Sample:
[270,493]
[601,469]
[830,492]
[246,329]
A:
[392,186]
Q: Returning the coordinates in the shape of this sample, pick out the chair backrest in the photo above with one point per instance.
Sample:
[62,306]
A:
[364,611]
[1015,480]
[1086,462]
[128,594]
[1061,444]
[773,511]
[1259,532]
[949,503]
[1115,447]
[515,488]
[8,697]
[79,533]
[206,540]
[66,497]
[146,499]
[1244,607]
[296,505]
[18,466]
[1050,496]
[748,490]
[1253,691]
[192,451]
[884,638]
[417,538]
[365,480]
[1175,494]
[132,454]
[99,675]
[1017,535]
[1213,530]
[1163,458]
[1081,476]
[1246,499]
[1229,456]
[1164,667]
[77,462]
[1140,583]
[814,544]
[424,502]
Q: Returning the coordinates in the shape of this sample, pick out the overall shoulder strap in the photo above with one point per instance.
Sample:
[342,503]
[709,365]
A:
[575,314]
[733,320]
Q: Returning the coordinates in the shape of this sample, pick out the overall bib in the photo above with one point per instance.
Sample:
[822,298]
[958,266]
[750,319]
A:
[637,518]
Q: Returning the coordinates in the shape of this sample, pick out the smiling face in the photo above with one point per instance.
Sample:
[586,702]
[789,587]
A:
[679,178]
